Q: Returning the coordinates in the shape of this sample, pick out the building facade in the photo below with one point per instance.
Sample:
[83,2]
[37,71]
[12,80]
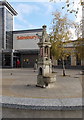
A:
[22,45]
[72,60]
[25,48]
[6,37]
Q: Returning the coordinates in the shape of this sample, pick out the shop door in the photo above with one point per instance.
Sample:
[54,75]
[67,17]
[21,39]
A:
[7,60]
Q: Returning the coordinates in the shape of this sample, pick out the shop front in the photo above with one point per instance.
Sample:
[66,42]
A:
[28,58]
[25,45]
[7,59]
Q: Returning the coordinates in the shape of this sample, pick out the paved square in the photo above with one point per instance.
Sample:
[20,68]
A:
[22,83]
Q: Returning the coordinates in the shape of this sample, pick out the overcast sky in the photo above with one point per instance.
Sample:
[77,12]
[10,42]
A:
[32,14]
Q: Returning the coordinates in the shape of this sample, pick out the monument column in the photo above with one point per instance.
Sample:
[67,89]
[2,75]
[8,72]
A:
[49,52]
[45,77]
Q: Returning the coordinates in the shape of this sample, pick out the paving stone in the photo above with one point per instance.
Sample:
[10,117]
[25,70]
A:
[49,104]
[65,96]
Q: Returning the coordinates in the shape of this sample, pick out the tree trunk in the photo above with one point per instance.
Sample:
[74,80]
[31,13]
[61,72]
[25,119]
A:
[52,65]
[63,67]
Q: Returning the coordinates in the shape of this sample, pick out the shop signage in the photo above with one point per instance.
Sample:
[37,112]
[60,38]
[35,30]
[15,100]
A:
[26,37]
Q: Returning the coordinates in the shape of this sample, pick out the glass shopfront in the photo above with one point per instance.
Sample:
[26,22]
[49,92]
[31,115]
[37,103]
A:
[1,34]
[9,29]
[6,37]
[6,59]
[1,28]
[6,34]
[6,28]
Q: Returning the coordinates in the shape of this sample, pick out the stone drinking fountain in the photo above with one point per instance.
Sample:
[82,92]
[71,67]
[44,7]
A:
[45,77]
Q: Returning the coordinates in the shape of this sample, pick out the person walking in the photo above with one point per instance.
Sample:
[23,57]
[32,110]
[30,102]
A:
[18,63]
[35,66]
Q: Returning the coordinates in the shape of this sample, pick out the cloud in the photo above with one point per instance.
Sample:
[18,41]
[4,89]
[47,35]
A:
[73,32]
[18,26]
[78,18]
[25,24]
[49,8]
[21,22]
[78,6]
[25,10]
[28,1]
[35,0]
[79,15]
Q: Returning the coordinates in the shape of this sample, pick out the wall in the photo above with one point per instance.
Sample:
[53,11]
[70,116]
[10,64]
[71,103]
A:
[22,40]
[18,113]
[1,35]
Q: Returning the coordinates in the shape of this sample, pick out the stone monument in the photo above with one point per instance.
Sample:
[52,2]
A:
[45,77]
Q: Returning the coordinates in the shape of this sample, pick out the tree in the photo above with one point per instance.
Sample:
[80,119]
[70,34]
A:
[69,5]
[75,7]
[79,48]
[59,36]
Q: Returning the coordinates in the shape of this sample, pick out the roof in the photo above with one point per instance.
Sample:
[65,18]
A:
[70,41]
[28,31]
[5,3]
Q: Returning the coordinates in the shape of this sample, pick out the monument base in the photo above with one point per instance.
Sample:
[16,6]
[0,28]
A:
[46,81]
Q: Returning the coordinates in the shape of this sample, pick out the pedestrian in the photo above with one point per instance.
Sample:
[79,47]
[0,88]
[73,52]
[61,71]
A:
[18,63]
[35,66]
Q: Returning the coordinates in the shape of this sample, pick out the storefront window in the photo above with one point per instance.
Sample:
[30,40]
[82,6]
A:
[6,60]
[1,28]
[9,29]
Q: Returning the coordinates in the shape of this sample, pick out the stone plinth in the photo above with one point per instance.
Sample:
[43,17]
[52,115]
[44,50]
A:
[46,81]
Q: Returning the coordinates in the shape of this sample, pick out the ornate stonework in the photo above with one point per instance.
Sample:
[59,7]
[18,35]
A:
[45,76]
